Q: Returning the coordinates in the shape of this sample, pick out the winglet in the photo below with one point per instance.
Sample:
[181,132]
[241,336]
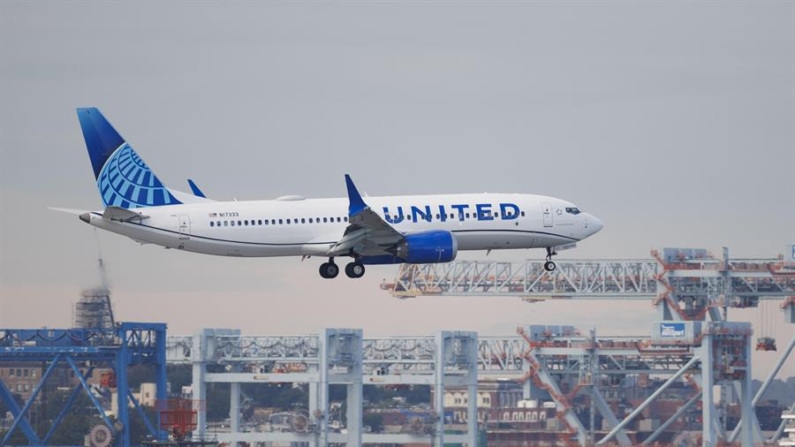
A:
[356,205]
[195,189]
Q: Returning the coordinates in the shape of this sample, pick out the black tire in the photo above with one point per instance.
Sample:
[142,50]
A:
[329,270]
[354,270]
[550,266]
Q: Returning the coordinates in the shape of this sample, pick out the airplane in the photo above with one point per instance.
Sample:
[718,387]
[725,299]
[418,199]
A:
[377,230]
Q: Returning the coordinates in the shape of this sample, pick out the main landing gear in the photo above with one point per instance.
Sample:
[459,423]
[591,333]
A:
[550,265]
[330,270]
[354,269]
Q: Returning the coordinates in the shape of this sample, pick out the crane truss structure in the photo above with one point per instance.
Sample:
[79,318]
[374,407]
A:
[560,363]
[684,284]
[82,351]
[335,356]
[557,363]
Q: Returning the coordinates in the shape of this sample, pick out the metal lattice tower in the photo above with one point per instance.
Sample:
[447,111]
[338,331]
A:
[83,350]
[94,309]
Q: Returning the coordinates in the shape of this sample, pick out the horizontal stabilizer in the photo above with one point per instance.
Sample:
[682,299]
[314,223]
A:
[68,210]
[122,214]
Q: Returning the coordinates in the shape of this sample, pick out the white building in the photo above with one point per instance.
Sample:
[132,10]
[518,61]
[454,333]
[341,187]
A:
[788,438]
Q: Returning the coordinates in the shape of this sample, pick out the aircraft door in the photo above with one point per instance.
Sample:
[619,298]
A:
[547,210]
[184,226]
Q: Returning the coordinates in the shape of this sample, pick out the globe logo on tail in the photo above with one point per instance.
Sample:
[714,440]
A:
[127,182]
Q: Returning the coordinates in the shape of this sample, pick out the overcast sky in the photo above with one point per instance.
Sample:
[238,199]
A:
[670,121]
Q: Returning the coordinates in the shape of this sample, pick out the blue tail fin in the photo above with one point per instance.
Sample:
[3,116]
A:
[124,180]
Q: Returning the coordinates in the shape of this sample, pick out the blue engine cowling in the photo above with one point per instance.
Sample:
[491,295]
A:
[428,247]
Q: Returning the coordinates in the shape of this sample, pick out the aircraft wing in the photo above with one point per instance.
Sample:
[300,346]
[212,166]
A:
[367,233]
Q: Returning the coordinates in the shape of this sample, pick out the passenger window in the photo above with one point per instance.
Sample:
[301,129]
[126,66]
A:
[226,223]
[467,215]
[522,213]
[437,217]
[233,222]
[280,221]
[212,224]
[338,219]
[288,221]
[303,220]
[266,221]
[238,223]
[245,222]
[310,220]
[259,222]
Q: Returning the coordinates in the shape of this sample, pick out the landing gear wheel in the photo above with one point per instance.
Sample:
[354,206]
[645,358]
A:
[329,270]
[550,265]
[354,270]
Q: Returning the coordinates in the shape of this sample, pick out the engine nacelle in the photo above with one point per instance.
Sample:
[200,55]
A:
[428,247]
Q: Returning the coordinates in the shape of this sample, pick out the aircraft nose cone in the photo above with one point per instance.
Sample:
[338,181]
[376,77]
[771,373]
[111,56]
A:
[594,225]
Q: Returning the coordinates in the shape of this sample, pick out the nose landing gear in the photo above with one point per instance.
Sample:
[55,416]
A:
[550,265]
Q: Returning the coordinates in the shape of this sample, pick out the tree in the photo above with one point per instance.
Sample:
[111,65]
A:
[218,395]
[375,421]
[179,376]
[291,397]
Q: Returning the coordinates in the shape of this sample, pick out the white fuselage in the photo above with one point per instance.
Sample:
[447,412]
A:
[307,227]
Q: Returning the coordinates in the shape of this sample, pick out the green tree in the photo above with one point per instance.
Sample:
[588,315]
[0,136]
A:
[291,397]
[179,376]
[218,395]
[417,394]
[375,421]
[138,374]
[81,417]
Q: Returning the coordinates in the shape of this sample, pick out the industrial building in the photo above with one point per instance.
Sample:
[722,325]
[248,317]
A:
[685,382]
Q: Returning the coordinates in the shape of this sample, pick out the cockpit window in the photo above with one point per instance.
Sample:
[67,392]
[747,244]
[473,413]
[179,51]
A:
[573,210]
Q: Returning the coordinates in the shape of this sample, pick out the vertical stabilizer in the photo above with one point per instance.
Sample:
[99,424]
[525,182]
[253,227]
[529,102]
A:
[123,179]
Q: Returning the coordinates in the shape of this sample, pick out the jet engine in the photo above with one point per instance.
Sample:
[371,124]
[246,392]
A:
[427,247]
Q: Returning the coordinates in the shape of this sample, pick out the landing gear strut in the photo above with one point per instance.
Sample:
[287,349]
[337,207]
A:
[550,265]
[354,269]
[329,269]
